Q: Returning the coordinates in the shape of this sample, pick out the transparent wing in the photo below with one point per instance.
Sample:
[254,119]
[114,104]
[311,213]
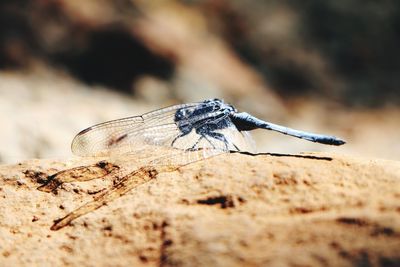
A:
[128,134]
[149,138]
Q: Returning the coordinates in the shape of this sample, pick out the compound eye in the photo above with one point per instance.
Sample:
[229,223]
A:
[180,114]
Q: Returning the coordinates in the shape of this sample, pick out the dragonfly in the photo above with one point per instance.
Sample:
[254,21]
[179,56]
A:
[161,141]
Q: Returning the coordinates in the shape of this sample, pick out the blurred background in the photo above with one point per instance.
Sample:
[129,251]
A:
[322,66]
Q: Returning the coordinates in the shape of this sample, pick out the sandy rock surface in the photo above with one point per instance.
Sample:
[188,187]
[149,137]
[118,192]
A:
[230,210]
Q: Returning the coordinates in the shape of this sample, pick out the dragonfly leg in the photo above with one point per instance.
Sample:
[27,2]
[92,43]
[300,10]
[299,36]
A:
[222,138]
[209,141]
[179,136]
[195,144]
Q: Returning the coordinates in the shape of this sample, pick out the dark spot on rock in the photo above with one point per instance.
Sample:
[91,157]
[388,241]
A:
[67,248]
[223,201]
[34,219]
[270,236]
[152,173]
[184,201]
[76,190]
[143,258]
[36,176]
[101,164]
[352,221]
[334,245]
[301,210]
[387,231]
[72,237]
[241,200]
[93,192]
[167,242]
[307,183]
[107,228]
[61,207]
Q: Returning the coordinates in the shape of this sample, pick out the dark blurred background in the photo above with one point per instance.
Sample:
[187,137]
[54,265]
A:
[330,66]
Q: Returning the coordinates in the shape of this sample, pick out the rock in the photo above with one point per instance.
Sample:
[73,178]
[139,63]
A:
[231,210]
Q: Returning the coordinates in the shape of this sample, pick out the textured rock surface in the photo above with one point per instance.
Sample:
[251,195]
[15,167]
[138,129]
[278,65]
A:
[230,210]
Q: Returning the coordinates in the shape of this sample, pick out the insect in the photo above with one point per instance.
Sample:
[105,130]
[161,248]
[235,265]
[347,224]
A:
[163,140]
